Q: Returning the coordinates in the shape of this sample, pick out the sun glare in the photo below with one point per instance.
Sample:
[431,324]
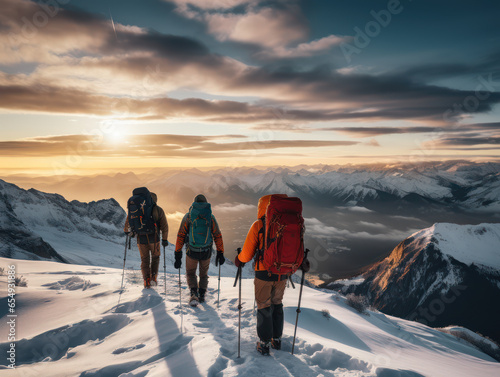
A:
[114,132]
[116,137]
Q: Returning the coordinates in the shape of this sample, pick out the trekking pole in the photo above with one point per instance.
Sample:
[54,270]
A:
[165,271]
[218,291]
[238,276]
[298,306]
[180,299]
[291,281]
[124,259]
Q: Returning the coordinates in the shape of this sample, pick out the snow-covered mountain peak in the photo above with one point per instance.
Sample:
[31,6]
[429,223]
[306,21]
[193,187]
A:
[35,224]
[469,244]
[441,275]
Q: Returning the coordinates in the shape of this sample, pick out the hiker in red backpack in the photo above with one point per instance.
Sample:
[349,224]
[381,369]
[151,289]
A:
[276,242]
[198,230]
[146,220]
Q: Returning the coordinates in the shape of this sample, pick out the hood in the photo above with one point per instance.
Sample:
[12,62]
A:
[264,202]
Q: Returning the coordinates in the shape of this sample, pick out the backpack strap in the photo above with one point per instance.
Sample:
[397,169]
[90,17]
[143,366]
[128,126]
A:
[259,255]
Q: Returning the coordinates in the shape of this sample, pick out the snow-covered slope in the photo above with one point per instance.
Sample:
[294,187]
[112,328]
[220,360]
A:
[72,321]
[37,225]
[446,274]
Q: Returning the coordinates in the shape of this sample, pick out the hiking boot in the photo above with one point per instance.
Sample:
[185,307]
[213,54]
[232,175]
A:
[201,296]
[194,292]
[276,343]
[147,283]
[154,283]
[263,348]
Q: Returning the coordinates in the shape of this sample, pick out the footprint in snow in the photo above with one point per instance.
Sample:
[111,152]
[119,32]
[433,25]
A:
[119,351]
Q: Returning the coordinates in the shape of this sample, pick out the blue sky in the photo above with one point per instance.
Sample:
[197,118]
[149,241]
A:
[247,82]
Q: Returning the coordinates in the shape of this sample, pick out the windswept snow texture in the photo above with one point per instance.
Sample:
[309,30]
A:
[103,331]
[442,275]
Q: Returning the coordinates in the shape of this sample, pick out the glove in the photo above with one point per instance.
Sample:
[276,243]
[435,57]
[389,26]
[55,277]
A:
[219,259]
[164,243]
[238,263]
[178,259]
[306,265]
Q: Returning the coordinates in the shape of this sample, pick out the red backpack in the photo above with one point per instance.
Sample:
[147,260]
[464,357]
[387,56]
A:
[283,228]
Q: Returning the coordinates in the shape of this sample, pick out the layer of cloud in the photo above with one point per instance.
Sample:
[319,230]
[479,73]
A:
[163,145]
[90,69]
[462,143]
[380,131]
[278,28]
[268,24]
[316,228]
[268,27]
[234,207]
[211,4]
[305,49]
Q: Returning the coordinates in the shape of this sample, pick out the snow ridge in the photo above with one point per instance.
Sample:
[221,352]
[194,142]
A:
[469,244]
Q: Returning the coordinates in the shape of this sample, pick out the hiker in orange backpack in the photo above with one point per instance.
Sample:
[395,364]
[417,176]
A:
[146,220]
[276,242]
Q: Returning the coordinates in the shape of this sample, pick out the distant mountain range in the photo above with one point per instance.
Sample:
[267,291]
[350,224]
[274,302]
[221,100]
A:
[446,274]
[354,214]
[458,183]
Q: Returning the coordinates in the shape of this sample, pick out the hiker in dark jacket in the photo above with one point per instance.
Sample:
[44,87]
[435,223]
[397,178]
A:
[149,245]
[196,254]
